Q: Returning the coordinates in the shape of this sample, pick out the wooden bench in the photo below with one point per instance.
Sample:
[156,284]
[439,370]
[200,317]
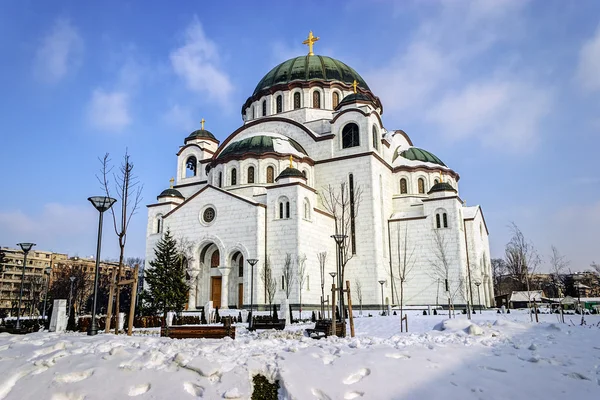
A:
[279,326]
[323,328]
[199,331]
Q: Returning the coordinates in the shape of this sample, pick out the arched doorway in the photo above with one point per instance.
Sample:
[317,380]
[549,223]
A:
[237,275]
[210,279]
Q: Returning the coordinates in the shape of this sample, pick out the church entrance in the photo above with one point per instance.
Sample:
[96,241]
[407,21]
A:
[215,292]
[240,295]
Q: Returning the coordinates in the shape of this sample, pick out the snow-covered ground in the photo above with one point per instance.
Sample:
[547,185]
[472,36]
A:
[501,357]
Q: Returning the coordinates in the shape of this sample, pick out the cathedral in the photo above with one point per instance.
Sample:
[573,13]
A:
[311,159]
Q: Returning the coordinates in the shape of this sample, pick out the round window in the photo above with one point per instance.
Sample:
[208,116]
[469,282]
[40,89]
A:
[209,215]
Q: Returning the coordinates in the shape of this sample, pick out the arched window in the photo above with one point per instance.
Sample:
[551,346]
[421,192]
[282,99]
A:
[220,179]
[270,174]
[159,223]
[441,219]
[191,166]
[305,174]
[306,209]
[234,176]
[214,259]
[284,208]
[264,108]
[335,99]
[350,136]
[279,104]
[296,100]
[403,186]
[316,99]
[421,184]
[281,210]
[241,266]
[436,181]
[250,174]
[287,209]
[437,221]
[375,139]
[445,218]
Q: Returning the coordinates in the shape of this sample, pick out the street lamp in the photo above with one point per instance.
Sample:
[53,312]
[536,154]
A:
[47,271]
[333,274]
[26,247]
[339,241]
[477,283]
[101,203]
[381,282]
[252,263]
[72,279]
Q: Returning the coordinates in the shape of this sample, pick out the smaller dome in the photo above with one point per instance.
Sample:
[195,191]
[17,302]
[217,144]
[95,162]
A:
[291,172]
[171,193]
[355,98]
[441,187]
[417,154]
[260,144]
[201,134]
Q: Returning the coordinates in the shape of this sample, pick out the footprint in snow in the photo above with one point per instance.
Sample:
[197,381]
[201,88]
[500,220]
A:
[353,395]
[74,376]
[319,394]
[193,389]
[397,355]
[492,368]
[577,375]
[137,390]
[356,377]
[67,396]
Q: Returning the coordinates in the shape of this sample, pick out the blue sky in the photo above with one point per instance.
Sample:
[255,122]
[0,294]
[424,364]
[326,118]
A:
[507,93]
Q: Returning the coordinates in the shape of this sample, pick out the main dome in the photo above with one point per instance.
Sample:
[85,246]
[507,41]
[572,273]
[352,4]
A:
[310,68]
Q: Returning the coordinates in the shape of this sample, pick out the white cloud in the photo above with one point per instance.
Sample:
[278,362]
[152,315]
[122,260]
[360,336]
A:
[197,63]
[589,63]
[59,53]
[499,112]
[109,110]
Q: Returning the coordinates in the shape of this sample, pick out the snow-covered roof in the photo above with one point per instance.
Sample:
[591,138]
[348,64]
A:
[407,214]
[470,212]
[534,295]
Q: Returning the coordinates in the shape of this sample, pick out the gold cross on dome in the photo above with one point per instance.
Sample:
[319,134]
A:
[172,180]
[291,165]
[354,85]
[310,41]
[202,122]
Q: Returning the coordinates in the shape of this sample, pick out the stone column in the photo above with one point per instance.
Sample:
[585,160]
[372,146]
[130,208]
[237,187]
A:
[193,272]
[224,286]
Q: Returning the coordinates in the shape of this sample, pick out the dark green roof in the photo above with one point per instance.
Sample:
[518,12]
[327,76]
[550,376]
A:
[171,193]
[199,134]
[310,68]
[355,97]
[291,172]
[414,153]
[441,187]
[258,145]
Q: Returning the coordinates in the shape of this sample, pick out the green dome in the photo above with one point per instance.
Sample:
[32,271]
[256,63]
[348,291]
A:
[441,187]
[263,144]
[310,68]
[171,193]
[416,154]
[201,134]
[354,98]
[291,172]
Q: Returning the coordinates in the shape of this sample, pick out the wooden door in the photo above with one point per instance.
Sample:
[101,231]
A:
[216,291]
[240,295]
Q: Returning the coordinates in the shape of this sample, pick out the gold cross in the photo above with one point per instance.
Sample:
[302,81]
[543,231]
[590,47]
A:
[291,165]
[172,180]
[202,122]
[354,85]
[310,41]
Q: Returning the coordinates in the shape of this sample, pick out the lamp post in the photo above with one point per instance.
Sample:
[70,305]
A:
[381,282]
[47,271]
[26,247]
[333,275]
[72,279]
[339,241]
[478,283]
[252,263]
[100,203]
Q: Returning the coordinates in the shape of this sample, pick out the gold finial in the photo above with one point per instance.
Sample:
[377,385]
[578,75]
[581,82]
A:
[291,165]
[441,177]
[310,41]
[172,180]
[202,122]
[354,85]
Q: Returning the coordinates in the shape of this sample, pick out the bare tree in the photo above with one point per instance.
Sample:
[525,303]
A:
[301,276]
[266,275]
[558,264]
[441,271]
[406,263]
[358,291]
[498,271]
[522,259]
[322,256]
[35,285]
[129,192]
[288,275]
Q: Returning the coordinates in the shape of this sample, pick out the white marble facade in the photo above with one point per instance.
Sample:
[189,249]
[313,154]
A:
[228,217]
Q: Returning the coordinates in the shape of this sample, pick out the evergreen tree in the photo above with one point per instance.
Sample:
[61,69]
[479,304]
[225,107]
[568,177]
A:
[166,277]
